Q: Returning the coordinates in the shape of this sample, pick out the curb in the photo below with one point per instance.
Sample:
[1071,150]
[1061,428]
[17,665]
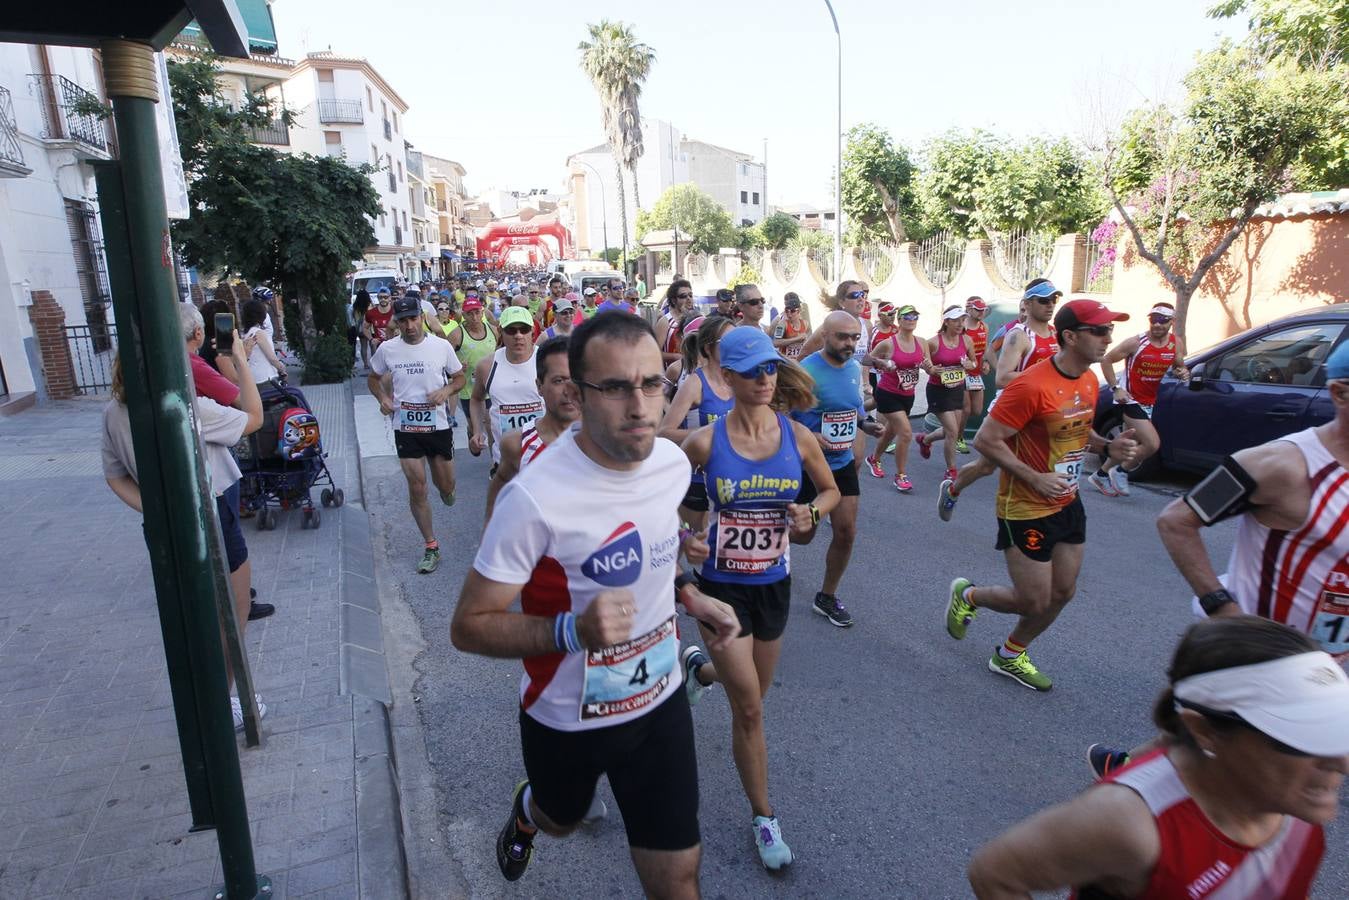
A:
[381,853]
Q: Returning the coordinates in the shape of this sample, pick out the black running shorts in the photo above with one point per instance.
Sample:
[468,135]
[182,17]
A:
[419,444]
[945,399]
[650,762]
[761,608]
[1037,538]
[890,402]
[845,478]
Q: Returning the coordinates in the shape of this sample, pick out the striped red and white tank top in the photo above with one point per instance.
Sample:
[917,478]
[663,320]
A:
[1198,862]
[1301,576]
[1145,367]
[1040,347]
[531,445]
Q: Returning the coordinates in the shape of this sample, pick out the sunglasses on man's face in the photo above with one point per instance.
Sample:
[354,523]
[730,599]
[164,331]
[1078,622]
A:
[1046,301]
[616,287]
[1160,320]
[518,330]
[1097,330]
[751,301]
[910,317]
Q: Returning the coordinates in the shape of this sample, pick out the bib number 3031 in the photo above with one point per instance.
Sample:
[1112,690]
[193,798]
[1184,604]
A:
[629,676]
[416,417]
[838,428]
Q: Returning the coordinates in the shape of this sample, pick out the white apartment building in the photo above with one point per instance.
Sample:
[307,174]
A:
[730,177]
[456,234]
[345,108]
[50,238]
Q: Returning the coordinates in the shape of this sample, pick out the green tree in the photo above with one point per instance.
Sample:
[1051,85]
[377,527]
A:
[776,230]
[1179,177]
[1310,33]
[977,184]
[1311,36]
[877,186]
[700,219]
[955,165]
[617,65]
[297,222]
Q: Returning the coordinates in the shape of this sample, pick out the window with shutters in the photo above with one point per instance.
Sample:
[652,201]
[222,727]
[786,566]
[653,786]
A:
[87,248]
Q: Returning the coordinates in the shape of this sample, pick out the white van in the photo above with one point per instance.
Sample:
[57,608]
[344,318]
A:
[372,280]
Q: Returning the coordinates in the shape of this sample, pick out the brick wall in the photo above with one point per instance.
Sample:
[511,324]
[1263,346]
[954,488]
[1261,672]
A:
[49,331]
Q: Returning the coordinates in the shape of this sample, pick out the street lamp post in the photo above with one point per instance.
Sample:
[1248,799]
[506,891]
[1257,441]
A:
[604,207]
[838,136]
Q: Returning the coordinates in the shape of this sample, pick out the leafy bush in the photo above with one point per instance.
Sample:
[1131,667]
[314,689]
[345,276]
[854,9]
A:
[747,275]
[329,361]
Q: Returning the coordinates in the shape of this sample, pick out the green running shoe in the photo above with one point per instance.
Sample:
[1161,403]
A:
[515,847]
[961,446]
[447,497]
[430,559]
[959,614]
[1019,668]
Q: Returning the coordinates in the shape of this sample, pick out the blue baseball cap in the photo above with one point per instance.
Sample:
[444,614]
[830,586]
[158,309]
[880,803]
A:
[744,347]
[1337,366]
[1043,290]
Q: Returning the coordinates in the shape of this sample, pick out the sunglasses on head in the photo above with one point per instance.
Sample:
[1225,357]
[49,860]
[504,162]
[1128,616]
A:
[1098,330]
[763,368]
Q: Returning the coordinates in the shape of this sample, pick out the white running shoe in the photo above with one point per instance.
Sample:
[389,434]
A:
[238,709]
[1103,485]
[773,850]
[1119,480]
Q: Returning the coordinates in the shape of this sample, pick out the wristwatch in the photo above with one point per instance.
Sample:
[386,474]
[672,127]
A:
[1215,600]
[814,513]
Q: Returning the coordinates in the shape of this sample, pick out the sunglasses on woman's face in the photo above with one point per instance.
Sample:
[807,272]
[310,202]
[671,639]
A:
[857,295]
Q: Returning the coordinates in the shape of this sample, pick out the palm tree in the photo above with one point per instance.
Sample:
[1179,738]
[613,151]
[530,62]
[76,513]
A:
[617,65]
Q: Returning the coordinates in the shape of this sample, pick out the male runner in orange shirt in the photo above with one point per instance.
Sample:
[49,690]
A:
[1038,433]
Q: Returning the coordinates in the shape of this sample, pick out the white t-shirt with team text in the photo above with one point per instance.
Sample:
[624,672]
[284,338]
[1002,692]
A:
[418,370]
[566,528]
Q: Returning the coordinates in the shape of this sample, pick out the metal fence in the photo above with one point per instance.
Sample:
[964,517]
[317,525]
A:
[92,351]
[10,149]
[1100,269]
[824,259]
[68,111]
[941,256]
[276,133]
[349,111]
[1022,255]
[876,265]
[789,262]
[754,257]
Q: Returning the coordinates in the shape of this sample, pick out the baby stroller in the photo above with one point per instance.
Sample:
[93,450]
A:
[283,460]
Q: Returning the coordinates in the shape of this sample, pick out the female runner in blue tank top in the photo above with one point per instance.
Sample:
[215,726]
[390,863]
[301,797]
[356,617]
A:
[702,398]
[752,460]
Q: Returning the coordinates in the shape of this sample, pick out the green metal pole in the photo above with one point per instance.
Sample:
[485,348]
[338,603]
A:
[179,518]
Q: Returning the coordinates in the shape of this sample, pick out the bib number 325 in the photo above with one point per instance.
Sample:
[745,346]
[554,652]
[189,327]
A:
[838,428]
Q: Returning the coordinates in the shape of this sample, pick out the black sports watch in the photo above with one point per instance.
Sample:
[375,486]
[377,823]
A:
[1215,600]
[814,513]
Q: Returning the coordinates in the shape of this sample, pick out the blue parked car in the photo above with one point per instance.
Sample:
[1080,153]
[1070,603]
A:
[1257,386]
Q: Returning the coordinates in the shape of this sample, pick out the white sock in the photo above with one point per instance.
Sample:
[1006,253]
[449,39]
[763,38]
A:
[525,802]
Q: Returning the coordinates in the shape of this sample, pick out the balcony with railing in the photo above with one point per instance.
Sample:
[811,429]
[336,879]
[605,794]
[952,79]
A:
[70,113]
[11,151]
[276,133]
[333,112]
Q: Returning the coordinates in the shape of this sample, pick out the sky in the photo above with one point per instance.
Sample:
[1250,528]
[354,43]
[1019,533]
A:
[497,86]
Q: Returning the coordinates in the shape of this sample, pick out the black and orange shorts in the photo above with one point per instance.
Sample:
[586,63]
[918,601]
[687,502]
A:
[1037,538]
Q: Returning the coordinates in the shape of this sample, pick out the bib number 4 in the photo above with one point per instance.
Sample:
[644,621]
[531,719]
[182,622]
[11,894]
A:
[629,676]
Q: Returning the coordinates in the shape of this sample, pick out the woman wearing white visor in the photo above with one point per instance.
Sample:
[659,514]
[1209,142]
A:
[1255,725]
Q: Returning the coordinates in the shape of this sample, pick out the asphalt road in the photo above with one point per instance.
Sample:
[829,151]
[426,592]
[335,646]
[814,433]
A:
[894,752]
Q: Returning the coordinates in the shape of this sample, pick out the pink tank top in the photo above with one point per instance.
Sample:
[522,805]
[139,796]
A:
[904,379]
[949,356]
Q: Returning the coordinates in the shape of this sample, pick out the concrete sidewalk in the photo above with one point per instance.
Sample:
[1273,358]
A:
[92,796]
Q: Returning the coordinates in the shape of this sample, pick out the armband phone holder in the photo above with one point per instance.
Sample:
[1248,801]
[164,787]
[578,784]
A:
[1223,493]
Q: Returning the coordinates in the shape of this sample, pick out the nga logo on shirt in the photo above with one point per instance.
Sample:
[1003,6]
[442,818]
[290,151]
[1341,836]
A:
[618,561]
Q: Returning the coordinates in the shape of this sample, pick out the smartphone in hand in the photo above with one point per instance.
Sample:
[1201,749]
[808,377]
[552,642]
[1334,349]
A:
[224,332]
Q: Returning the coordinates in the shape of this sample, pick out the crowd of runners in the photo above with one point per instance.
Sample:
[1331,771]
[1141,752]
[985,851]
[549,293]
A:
[638,472]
